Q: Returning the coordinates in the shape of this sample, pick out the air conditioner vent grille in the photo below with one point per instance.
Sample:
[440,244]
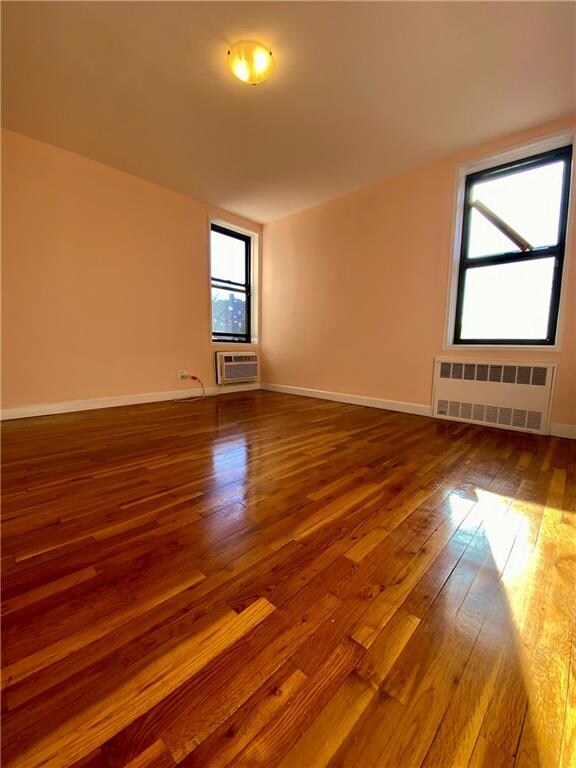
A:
[241,371]
[240,358]
[232,368]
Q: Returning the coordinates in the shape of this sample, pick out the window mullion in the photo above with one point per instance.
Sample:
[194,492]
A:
[510,258]
[228,284]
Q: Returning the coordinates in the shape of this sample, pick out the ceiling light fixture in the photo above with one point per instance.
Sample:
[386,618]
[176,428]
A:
[250,62]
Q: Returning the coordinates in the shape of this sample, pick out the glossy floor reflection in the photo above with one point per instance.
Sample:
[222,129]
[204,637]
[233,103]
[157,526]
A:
[261,579]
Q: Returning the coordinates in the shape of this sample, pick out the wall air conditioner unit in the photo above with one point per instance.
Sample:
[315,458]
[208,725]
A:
[236,369]
[496,394]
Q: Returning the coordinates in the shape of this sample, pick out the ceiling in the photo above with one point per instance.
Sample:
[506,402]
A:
[360,91]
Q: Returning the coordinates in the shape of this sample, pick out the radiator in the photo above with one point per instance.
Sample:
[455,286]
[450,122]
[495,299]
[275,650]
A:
[496,394]
[240,368]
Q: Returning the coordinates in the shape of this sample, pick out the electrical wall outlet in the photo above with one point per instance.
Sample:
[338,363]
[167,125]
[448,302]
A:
[183,374]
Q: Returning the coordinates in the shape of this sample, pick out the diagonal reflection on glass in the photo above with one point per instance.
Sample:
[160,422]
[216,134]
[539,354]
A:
[528,201]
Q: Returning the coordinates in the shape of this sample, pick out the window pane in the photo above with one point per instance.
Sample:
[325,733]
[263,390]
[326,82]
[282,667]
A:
[228,257]
[508,301]
[528,201]
[228,311]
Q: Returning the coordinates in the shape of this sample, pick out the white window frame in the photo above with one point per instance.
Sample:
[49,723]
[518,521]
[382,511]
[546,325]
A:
[254,284]
[518,152]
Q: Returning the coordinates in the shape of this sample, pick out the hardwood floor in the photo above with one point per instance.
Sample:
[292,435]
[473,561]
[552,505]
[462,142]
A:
[262,580]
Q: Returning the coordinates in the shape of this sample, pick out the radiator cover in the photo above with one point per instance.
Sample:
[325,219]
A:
[495,393]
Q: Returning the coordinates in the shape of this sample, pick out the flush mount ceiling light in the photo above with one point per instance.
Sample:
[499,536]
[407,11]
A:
[250,62]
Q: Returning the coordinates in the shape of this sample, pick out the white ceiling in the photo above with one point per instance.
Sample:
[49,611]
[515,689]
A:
[360,91]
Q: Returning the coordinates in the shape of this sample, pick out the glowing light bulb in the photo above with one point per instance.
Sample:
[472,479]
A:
[250,62]
[241,70]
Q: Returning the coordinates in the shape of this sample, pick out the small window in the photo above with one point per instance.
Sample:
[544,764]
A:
[230,284]
[512,251]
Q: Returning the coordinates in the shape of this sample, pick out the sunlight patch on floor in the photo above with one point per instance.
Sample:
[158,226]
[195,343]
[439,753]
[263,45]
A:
[538,592]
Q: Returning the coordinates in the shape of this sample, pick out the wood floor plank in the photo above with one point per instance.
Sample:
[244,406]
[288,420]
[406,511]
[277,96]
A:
[458,733]
[143,690]
[325,736]
[223,746]
[262,579]
[155,756]
[59,585]
[35,662]
[372,735]
[273,741]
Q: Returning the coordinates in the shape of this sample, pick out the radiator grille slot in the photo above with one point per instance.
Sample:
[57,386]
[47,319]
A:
[539,377]
[453,409]
[445,370]
[495,373]
[508,374]
[478,412]
[534,420]
[519,417]
[523,376]
[490,414]
[481,372]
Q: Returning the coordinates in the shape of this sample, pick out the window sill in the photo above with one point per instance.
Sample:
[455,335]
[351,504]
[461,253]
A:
[516,347]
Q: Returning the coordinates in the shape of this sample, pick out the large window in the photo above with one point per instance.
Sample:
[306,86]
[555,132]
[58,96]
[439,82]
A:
[512,251]
[230,281]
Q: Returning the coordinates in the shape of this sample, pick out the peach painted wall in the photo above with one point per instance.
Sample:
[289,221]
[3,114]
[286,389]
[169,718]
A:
[105,279]
[355,290]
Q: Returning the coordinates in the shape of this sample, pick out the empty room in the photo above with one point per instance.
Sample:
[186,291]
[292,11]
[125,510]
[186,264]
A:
[288,384]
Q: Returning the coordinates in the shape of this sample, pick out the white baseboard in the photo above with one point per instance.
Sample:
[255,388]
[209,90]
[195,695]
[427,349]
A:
[49,409]
[340,397]
[71,406]
[558,430]
[563,430]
